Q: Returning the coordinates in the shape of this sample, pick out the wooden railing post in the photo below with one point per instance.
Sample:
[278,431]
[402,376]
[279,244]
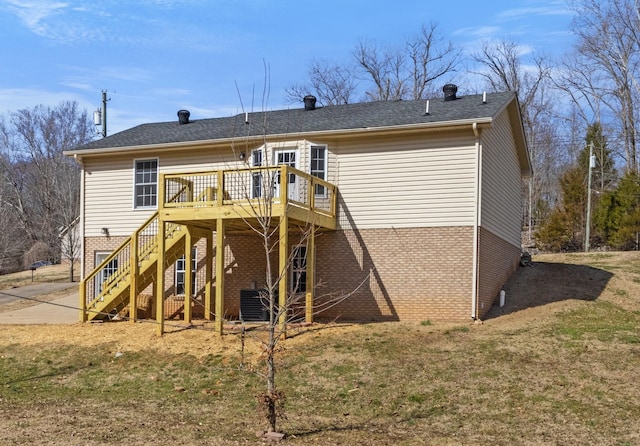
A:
[220,193]
[160,276]
[311,280]
[219,324]
[133,277]
[284,184]
[188,269]
[283,286]
[83,301]
[161,192]
[209,277]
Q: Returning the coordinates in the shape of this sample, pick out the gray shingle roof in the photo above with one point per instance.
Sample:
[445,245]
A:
[297,121]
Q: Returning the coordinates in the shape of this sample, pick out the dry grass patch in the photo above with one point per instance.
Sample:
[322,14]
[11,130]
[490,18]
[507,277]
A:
[52,273]
[558,365]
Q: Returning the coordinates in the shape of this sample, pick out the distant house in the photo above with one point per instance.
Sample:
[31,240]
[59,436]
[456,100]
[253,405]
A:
[417,207]
[70,242]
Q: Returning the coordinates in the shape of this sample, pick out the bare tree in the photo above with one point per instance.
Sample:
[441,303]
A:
[601,74]
[286,248]
[386,73]
[332,84]
[431,58]
[41,184]
[384,68]
[505,70]
[409,72]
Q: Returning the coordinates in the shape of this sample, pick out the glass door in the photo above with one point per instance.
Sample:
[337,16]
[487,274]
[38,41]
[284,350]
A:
[105,272]
[287,157]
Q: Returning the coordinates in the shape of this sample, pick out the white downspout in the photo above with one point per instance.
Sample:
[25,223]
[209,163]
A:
[81,221]
[476,223]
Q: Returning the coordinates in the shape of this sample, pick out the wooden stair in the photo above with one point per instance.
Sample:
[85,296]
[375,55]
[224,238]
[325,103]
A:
[103,299]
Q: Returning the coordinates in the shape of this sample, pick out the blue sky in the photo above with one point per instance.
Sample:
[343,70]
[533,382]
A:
[155,57]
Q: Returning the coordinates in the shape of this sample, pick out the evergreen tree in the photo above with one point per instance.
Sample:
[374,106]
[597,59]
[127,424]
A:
[564,230]
[618,215]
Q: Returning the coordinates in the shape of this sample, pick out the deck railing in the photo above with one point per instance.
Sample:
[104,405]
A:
[239,186]
[137,248]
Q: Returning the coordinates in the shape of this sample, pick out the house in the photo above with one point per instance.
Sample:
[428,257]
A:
[415,208]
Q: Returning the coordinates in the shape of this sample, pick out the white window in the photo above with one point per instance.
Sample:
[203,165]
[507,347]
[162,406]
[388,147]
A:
[256,177]
[299,269]
[145,184]
[181,272]
[318,167]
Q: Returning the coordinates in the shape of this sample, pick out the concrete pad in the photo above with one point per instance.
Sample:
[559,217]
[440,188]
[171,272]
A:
[60,311]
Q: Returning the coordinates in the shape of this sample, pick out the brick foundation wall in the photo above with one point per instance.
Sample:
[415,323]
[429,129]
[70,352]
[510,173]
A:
[411,274]
[498,259]
[98,244]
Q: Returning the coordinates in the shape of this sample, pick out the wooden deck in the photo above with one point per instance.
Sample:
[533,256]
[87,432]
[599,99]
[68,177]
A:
[191,207]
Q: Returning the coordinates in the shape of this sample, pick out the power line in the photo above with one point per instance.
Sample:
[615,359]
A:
[109,315]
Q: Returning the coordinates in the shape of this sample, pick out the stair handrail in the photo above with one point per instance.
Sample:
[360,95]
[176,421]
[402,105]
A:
[122,269]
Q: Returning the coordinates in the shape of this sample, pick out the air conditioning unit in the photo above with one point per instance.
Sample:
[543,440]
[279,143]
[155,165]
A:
[252,307]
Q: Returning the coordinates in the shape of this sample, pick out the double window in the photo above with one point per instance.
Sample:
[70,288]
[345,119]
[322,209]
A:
[145,184]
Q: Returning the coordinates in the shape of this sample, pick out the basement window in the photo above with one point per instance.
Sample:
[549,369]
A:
[299,269]
[181,272]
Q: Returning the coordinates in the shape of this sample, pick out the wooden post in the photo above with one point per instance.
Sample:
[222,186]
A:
[160,277]
[209,277]
[220,192]
[83,300]
[133,278]
[283,286]
[311,270]
[188,271]
[219,276]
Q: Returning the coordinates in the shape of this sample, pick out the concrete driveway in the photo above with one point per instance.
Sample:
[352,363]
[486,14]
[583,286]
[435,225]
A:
[60,311]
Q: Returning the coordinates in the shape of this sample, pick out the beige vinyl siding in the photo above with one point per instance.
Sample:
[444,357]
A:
[410,183]
[501,182]
[109,188]
[109,198]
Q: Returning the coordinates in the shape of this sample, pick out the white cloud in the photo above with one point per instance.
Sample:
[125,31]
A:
[555,9]
[478,32]
[34,12]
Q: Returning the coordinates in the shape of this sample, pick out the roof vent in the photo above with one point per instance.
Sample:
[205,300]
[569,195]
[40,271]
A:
[309,102]
[450,92]
[183,116]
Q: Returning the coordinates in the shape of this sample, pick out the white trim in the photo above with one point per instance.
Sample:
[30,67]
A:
[326,165]
[99,278]
[134,184]
[292,187]
[82,218]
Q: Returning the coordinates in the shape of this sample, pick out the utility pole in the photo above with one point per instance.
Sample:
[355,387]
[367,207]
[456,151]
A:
[104,113]
[100,115]
[592,164]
